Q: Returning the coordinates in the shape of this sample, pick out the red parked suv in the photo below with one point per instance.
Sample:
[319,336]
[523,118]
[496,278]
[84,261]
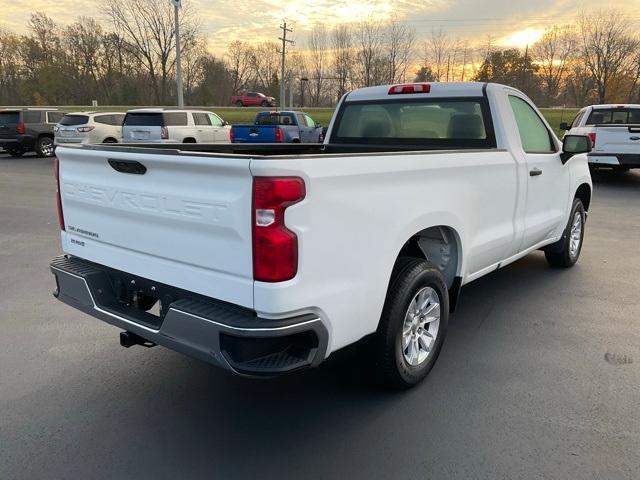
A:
[253,99]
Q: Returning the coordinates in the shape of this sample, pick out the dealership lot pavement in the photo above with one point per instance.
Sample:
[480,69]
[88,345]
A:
[539,376]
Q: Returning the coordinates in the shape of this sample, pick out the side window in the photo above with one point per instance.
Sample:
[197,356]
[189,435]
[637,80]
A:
[103,119]
[310,122]
[576,121]
[215,120]
[534,135]
[200,118]
[54,117]
[252,94]
[118,119]
[175,119]
[32,117]
[302,122]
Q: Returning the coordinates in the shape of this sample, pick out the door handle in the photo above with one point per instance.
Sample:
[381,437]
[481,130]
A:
[534,172]
[634,138]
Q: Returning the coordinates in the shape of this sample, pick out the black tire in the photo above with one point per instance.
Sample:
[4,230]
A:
[560,254]
[410,276]
[189,140]
[45,147]
[15,153]
[239,104]
[265,103]
[110,140]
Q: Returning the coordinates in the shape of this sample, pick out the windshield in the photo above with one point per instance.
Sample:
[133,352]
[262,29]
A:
[430,123]
[69,120]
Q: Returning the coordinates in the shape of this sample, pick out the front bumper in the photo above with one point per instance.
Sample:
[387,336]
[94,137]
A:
[229,336]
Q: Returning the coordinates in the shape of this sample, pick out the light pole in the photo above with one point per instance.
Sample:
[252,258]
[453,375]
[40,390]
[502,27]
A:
[177,4]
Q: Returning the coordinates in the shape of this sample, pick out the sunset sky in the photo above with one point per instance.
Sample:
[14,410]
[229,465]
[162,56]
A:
[509,22]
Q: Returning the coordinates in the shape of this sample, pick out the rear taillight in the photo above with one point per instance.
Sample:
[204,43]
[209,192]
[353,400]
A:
[20,128]
[410,88]
[275,247]
[592,137]
[56,174]
[231,135]
[85,129]
[279,135]
[164,133]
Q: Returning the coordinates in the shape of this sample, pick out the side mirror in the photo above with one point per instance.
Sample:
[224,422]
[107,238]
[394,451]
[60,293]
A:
[565,126]
[573,145]
[318,125]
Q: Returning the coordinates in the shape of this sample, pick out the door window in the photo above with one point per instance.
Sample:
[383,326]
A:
[175,119]
[301,120]
[32,117]
[200,118]
[54,117]
[534,135]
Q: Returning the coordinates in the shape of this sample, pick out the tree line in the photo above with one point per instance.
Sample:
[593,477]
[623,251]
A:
[130,60]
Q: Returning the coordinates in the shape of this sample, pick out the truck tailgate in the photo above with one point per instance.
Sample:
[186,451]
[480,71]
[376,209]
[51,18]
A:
[618,139]
[185,221]
[254,133]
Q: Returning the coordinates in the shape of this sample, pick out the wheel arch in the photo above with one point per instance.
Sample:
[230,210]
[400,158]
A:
[189,140]
[583,192]
[440,245]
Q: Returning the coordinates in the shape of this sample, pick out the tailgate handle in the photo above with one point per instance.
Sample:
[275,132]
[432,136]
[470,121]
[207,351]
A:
[128,166]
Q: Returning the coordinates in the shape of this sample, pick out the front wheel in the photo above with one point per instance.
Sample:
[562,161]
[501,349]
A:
[566,252]
[413,323]
[44,147]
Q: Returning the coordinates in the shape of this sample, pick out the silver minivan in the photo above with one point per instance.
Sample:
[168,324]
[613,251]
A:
[157,125]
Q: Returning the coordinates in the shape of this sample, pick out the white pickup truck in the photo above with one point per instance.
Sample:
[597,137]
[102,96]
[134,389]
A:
[614,131]
[265,259]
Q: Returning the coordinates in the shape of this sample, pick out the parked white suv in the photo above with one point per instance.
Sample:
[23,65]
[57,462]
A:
[267,258]
[88,128]
[157,125]
[614,131]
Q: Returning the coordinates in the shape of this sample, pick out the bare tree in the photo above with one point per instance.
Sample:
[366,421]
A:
[400,39]
[9,67]
[553,53]
[369,41]
[342,58]
[607,48]
[240,56]
[436,53]
[148,29]
[265,64]
[318,57]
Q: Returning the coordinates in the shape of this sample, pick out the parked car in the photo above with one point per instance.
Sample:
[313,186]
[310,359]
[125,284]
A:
[614,131]
[89,127]
[253,99]
[279,127]
[266,263]
[28,129]
[150,125]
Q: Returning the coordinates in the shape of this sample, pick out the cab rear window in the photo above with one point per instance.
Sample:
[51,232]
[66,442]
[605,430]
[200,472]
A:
[9,118]
[274,118]
[433,123]
[614,116]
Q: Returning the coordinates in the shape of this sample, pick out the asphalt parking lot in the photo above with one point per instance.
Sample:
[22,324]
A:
[539,376]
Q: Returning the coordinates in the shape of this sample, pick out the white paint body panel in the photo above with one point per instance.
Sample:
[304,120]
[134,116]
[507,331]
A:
[358,212]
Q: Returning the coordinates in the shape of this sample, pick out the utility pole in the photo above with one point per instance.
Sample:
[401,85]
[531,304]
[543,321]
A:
[176,5]
[284,39]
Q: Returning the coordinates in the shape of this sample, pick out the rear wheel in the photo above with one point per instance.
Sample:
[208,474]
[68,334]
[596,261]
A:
[239,103]
[44,147]
[110,140]
[413,323]
[566,252]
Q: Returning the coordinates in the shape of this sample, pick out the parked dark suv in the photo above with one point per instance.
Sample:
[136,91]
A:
[27,130]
